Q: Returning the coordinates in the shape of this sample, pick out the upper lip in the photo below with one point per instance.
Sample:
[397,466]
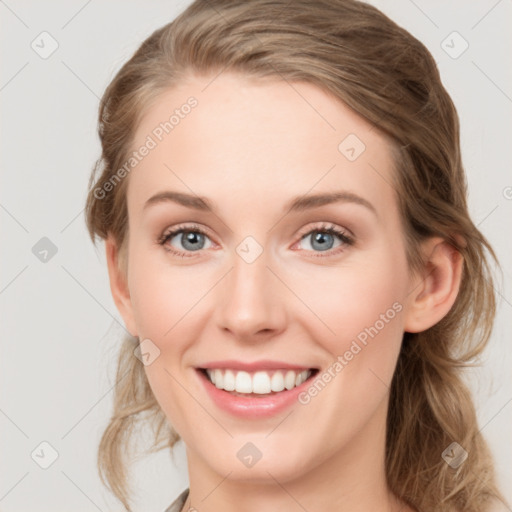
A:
[254,365]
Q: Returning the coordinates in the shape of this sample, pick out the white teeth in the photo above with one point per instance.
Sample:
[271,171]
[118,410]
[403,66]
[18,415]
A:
[277,382]
[219,379]
[229,380]
[243,382]
[301,377]
[289,379]
[260,382]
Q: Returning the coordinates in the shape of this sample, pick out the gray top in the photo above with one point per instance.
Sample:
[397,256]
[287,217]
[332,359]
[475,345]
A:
[177,505]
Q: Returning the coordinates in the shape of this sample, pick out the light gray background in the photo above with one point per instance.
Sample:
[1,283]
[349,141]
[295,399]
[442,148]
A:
[58,334]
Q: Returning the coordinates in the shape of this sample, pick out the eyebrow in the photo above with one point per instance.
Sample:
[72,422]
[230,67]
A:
[297,204]
[188,200]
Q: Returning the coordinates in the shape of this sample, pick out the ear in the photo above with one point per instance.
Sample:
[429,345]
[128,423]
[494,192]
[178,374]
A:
[117,271]
[436,287]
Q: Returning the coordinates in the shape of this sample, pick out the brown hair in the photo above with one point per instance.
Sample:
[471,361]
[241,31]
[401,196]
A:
[356,53]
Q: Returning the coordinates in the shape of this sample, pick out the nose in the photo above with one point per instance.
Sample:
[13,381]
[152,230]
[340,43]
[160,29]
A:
[251,303]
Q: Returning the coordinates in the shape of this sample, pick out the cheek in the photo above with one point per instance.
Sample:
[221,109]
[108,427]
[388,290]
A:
[164,301]
[163,296]
[358,301]
[363,307]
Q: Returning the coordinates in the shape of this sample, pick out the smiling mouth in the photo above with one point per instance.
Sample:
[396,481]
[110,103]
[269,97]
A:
[259,383]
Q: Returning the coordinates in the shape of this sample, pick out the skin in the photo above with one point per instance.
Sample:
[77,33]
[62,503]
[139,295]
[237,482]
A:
[250,147]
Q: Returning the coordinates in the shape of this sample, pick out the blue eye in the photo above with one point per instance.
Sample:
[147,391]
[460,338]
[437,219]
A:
[322,239]
[192,239]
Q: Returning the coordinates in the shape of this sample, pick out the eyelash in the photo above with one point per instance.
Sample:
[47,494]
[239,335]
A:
[331,229]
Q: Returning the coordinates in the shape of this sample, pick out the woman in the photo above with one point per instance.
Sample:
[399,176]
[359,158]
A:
[283,203]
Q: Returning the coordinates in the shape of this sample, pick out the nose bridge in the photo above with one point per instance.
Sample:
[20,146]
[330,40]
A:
[250,302]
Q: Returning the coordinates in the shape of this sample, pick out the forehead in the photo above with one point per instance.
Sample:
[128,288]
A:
[274,138]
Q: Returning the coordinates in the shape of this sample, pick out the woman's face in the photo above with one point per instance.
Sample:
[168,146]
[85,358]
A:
[293,266]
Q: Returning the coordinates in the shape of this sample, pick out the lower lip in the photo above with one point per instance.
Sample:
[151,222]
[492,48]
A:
[252,407]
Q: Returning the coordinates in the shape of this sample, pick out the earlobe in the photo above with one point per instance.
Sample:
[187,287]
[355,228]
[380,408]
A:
[434,291]
[119,285]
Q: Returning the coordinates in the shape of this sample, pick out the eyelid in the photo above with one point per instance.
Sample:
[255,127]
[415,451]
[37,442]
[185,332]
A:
[325,226]
[184,227]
